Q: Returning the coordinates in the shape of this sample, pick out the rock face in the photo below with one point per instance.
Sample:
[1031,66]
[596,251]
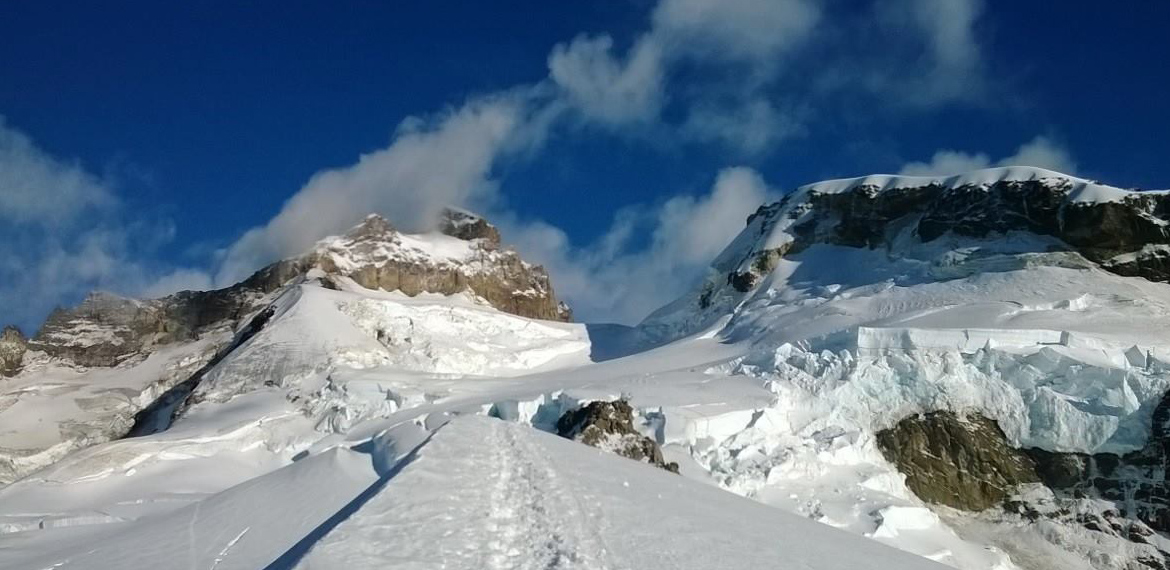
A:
[967,463]
[1106,527]
[105,329]
[961,462]
[136,363]
[1135,482]
[1121,235]
[468,226]
[610,426]
[466,256]
[13,345]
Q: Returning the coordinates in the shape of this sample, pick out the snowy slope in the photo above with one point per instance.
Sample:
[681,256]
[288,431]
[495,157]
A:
[480,493]
[488,494]
[54,408]
[770,381]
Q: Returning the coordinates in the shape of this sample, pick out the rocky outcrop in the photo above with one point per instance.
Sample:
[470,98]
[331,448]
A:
[1135,482]
[467,226]
[376,256]
[968,463]
[610,426]
[105,329]
[1121,236]
[1109,529]
[13,345]
[1052,219]
[960,462]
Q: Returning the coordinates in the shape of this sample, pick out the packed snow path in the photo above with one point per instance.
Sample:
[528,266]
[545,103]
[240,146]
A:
[484,493]
[501,507]
[536,522]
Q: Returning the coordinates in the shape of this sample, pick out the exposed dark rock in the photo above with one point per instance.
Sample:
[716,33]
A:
[106,329]
[1060,470]
[1145,549]
[961,462]
[968,463]
[1136,481]
[1100,231]
[13,345]
[159,415]
[468,226]
[610,426]
[761,266]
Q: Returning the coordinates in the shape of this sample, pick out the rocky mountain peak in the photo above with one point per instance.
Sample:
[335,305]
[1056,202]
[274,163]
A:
[373,228]
[1052,219]
[463,256]
[467,226]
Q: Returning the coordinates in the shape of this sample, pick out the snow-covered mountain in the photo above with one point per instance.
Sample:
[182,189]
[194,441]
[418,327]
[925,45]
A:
[973,369]
[88,373]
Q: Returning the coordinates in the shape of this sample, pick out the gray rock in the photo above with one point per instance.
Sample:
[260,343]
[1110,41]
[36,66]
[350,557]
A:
[610,426]
[961,462]
[968,463]
[468,226]
[1135,482]
[1100,232]
[13,345]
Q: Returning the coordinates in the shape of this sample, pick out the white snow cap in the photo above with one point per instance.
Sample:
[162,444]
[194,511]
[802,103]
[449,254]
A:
[1080,189]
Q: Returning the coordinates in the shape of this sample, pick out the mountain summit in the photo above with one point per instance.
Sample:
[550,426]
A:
[190,330]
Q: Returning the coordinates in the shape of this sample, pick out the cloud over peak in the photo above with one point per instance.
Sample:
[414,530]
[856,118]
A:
[1040,152]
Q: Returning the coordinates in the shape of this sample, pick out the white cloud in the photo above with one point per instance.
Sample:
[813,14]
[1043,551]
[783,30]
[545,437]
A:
[63,233]
[913,53]
[616,90]
[430,164]
[604,87]
[182,279]
[947,162]
[1044,153]
[1040,152]
[715,68]
[752,30]
[750,127]
[611,281]
[956,63]
[949,29]
[449,160]
[36,188]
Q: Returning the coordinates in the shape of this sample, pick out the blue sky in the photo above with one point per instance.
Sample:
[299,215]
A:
[148,147]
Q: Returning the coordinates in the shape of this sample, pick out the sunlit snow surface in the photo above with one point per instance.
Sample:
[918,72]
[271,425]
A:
[348,433]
